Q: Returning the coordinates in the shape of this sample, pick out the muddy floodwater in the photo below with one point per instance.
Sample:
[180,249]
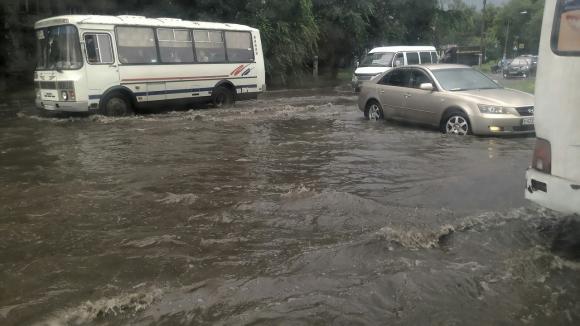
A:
[282,211]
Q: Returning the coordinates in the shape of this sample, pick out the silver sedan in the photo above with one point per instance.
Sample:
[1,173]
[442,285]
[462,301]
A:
[455,98]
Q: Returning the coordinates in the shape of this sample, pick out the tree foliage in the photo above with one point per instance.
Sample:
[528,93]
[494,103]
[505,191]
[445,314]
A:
[294,31]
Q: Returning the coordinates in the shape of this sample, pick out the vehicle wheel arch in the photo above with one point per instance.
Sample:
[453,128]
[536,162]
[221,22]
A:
[372,99]
[226,84]
[121,90]
[448,112]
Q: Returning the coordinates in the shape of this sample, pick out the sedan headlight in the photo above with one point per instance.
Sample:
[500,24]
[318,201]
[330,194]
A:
[492,109]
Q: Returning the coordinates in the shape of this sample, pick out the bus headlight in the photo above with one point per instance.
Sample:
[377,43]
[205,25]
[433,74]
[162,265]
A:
[64,95]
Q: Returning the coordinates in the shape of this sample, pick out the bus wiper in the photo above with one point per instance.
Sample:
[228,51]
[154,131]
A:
[457,89]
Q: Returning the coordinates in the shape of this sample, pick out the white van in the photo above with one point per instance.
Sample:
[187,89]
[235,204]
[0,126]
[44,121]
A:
[379,60]
[553,180]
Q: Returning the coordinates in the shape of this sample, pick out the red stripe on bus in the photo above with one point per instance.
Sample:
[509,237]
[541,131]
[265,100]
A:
[235,70]
[174,78]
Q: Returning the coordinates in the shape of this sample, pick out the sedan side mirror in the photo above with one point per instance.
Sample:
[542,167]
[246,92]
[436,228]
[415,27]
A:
[398,63]
[426,87]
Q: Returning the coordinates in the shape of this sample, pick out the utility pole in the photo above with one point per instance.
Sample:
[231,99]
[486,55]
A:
[483,31]
[507,32]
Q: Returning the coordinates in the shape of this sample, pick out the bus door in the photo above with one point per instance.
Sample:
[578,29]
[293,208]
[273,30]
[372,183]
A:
[102,69]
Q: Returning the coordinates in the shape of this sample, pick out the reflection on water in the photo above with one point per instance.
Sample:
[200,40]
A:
[289,210]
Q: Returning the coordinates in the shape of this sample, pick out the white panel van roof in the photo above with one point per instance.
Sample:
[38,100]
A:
[402,48]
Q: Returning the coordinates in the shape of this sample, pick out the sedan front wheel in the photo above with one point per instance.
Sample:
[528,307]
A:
[457,124]
[374,111]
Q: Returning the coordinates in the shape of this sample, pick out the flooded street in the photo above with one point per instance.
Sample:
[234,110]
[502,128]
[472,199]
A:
[286,210]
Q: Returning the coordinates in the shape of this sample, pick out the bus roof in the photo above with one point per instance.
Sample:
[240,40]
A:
[402,48]
[135,21]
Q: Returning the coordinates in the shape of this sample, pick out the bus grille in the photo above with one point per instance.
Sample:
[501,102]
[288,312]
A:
[64,84]
[47,85]
[526,111]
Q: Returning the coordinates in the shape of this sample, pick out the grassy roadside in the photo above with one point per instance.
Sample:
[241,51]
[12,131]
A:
[526,85]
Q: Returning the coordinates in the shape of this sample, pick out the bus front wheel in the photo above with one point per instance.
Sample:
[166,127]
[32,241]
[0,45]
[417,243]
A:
[222,97]
[116,105]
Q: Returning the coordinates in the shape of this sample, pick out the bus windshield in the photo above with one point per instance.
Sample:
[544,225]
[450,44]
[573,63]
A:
[380,59]
[58,48]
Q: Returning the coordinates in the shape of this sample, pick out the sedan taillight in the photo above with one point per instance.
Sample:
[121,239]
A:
[542,160]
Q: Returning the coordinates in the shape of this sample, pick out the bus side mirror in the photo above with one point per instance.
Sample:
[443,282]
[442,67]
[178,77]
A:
[357,63]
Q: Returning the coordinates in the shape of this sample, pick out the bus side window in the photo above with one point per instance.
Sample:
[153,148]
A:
[239,46]
[209,46]
[175,45]
[99,48]
[136,45]
[566,33]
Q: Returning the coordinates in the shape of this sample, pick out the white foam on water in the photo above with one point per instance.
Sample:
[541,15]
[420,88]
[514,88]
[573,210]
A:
[172,198]
[155,241]
[298,192]
[413,238]
[91,311]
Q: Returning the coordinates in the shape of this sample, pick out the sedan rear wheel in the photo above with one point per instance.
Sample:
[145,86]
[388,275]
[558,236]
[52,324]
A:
[374,111]
[457,124]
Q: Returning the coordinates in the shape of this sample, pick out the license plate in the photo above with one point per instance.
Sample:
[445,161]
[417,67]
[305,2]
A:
[527,121]
[49,95]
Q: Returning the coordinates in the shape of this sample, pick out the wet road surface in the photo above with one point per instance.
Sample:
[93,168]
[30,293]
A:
[282,211]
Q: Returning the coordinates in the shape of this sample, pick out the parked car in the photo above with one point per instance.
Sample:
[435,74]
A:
[381,59]
[455,98]
[500,66]
[533,62]
[519,67]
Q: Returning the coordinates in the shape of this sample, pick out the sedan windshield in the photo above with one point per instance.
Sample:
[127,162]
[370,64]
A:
[58,48]
[379,59]
[463,79]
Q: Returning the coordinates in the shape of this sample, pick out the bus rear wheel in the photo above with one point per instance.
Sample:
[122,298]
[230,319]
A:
[116,105]
[222,97]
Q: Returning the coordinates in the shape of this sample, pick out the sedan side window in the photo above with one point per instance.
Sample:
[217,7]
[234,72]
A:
[398,78]
[418,77]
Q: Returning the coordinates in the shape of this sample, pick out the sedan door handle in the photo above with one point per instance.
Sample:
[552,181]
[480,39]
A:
[382,92]
[407,95]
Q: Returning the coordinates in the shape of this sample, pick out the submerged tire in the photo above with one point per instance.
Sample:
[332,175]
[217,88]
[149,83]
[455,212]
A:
[374,111]
[222,97]
[116,105]
[456,123]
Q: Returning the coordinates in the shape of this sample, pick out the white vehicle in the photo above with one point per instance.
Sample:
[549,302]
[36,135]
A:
[553,180]
[381,59]
[116,64]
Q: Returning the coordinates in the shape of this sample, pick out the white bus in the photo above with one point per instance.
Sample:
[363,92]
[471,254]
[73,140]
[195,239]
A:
[117,64]
[553,180]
